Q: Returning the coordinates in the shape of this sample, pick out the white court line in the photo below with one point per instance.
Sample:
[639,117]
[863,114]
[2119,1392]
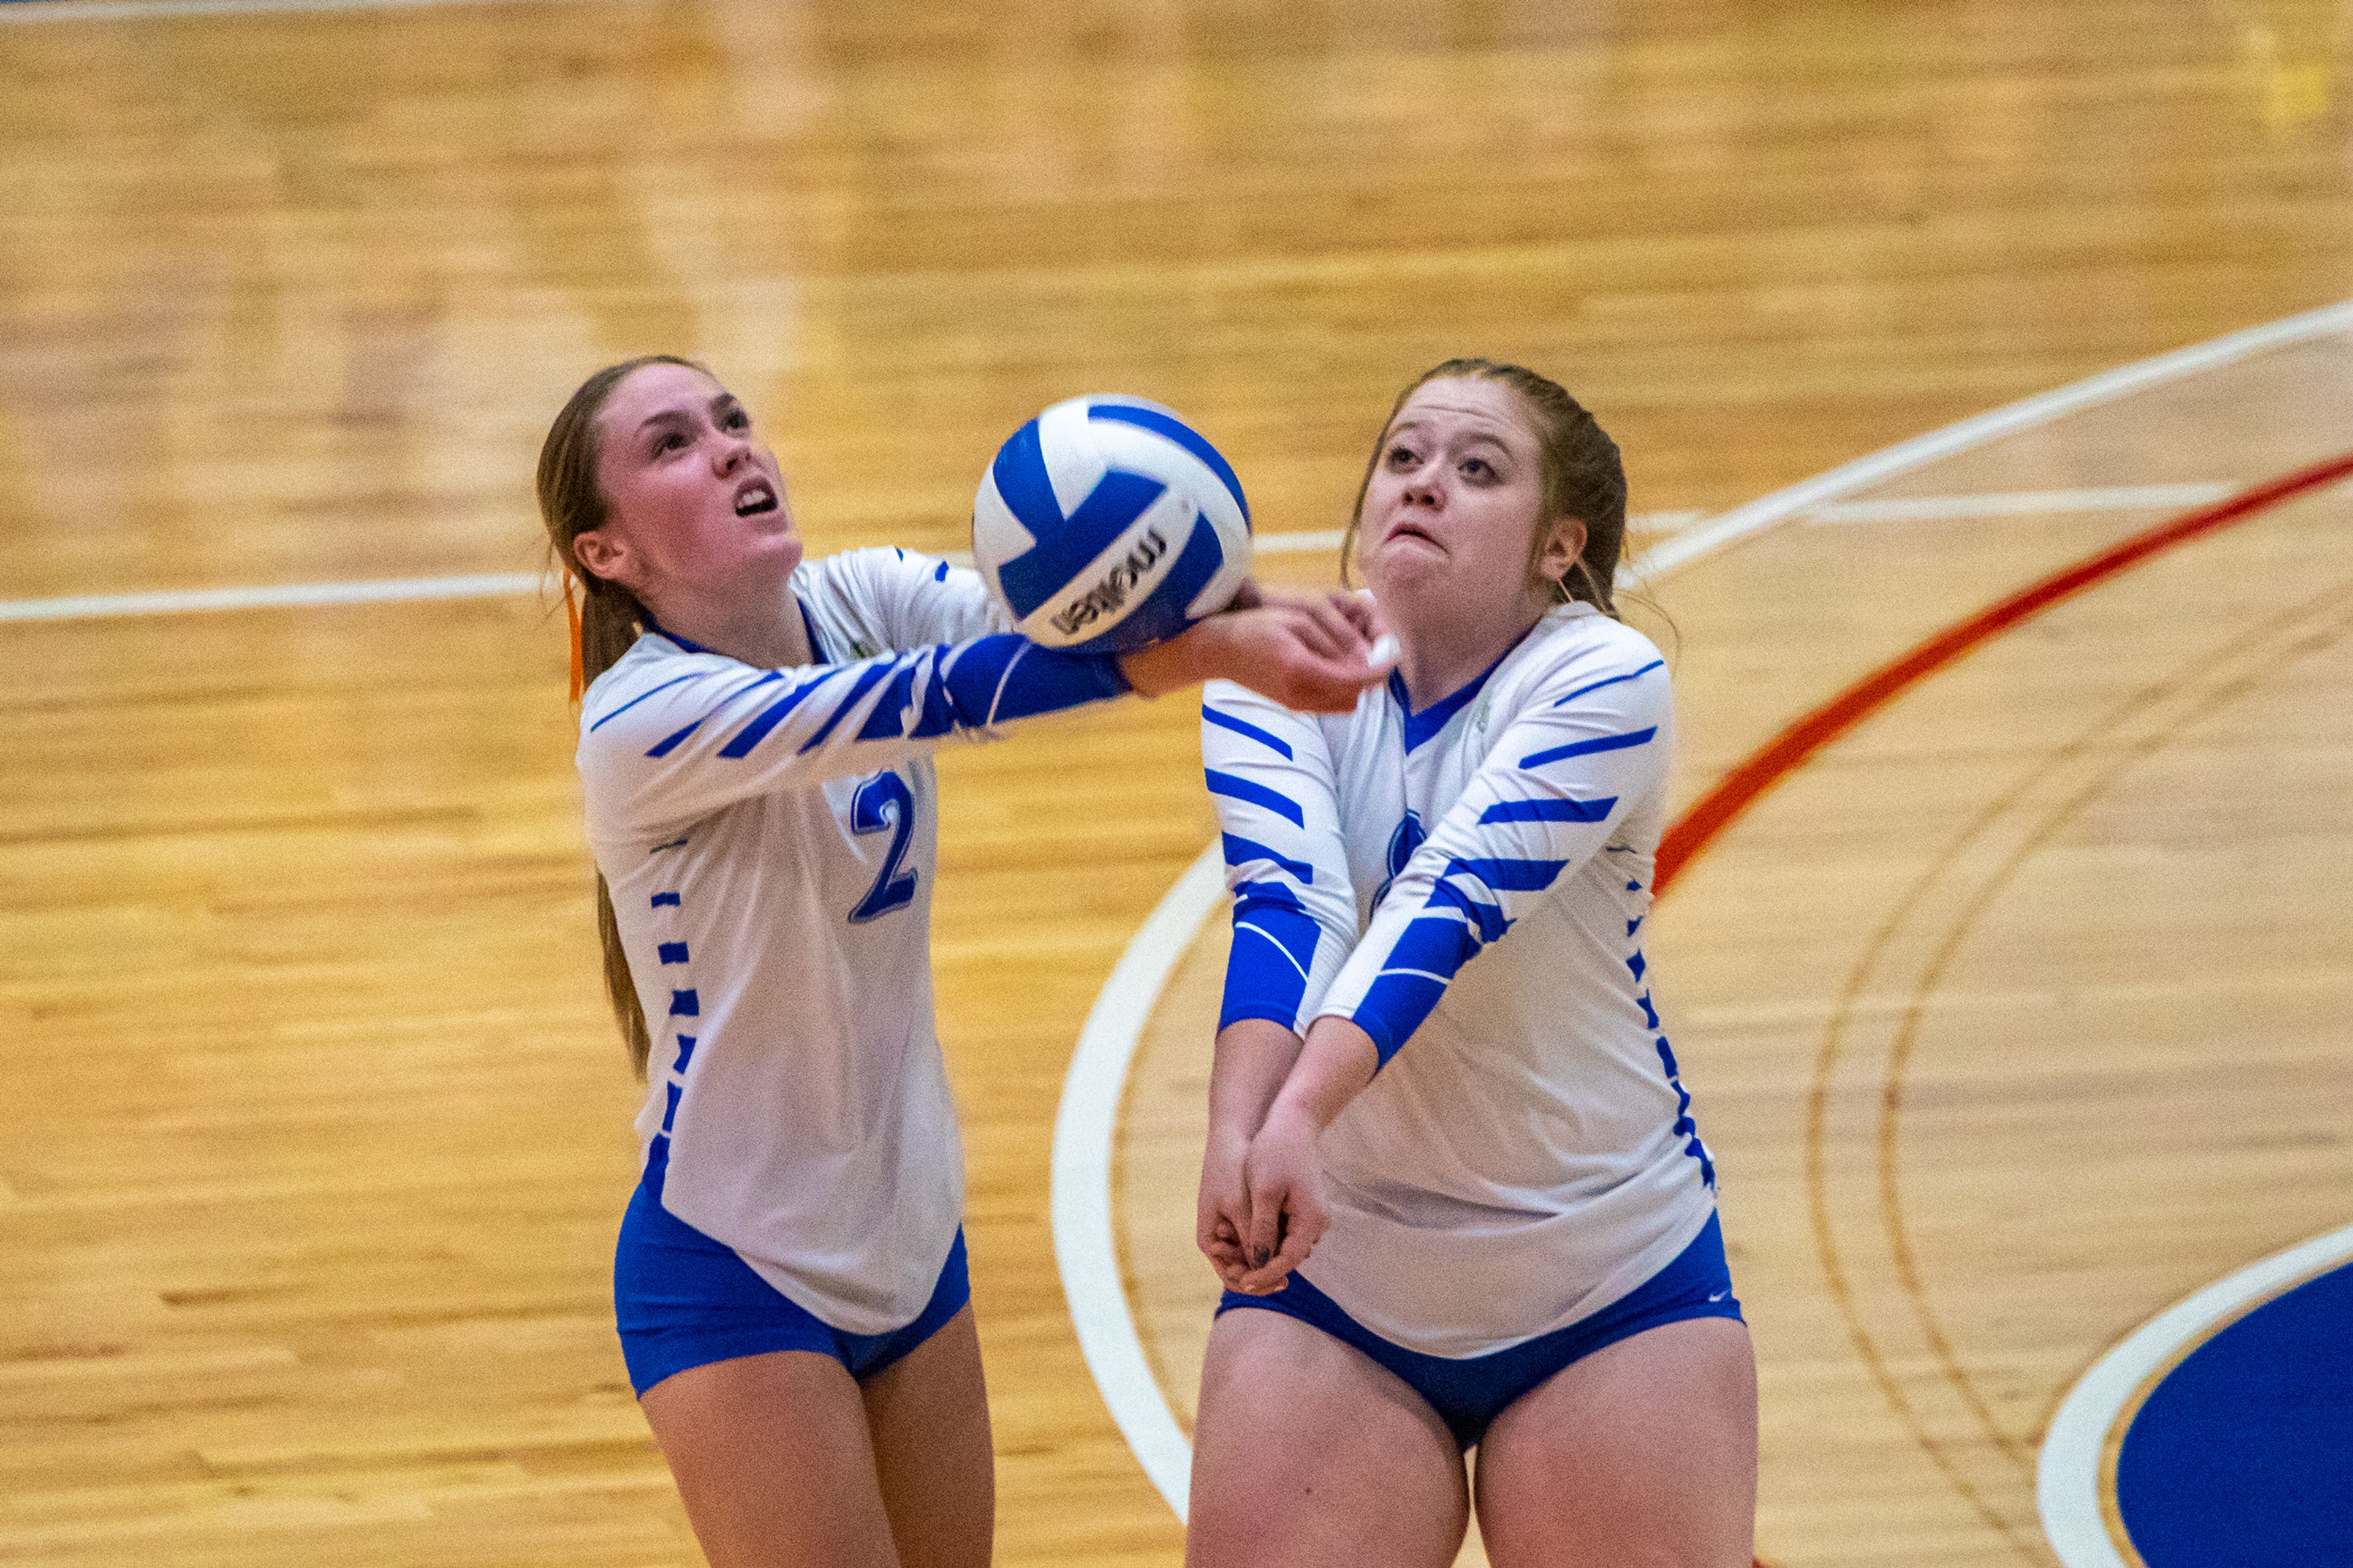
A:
[2070,1484]
[142,10]
[2041,409]
[2020,503]
[171,602]
[1299,541]
[176,601]
[1084,1247]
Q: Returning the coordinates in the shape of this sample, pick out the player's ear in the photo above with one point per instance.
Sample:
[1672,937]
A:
[603,553]
[1562,550]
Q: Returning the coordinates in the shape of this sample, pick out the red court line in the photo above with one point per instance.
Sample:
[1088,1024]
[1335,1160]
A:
[1710,815]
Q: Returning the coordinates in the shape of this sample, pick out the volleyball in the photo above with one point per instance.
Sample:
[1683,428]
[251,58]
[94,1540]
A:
[1107,523]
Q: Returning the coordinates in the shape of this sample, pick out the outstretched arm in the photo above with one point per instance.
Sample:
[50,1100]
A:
[1309,652]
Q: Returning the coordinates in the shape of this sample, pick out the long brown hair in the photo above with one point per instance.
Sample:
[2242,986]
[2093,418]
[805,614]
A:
[611,619]
[1580,469]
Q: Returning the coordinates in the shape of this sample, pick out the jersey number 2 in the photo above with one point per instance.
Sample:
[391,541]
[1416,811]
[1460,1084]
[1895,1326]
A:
[883,801]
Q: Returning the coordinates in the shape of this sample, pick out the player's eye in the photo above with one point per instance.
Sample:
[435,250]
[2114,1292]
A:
[737,420]
[1401,457]
[1478,469]
[669,441]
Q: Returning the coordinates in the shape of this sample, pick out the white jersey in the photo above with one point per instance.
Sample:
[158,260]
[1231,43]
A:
[1469,885]
[769,839]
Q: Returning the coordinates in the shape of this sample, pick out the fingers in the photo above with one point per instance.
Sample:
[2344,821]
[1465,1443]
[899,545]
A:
[1263,1237]
[1303,1227]
[1319,629]
[1364,613]
[1329,615]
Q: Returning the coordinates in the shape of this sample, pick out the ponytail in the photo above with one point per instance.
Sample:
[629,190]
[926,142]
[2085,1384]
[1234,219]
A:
[607,622]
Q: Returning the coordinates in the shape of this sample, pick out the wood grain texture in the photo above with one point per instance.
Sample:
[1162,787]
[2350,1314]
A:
[323,1131]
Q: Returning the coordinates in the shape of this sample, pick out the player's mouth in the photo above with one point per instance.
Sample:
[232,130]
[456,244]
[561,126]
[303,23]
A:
[1410,531]
[755,497]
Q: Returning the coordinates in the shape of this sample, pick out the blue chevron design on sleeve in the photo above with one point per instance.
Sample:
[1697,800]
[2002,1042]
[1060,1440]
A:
[1243,727]
[767,718]
[1588,748]
[1235,787]
[1612,680]
[1241,851]
[1548,810]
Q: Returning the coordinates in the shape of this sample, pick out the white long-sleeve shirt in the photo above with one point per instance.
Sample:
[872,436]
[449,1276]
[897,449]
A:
[769,839]
[1469,885]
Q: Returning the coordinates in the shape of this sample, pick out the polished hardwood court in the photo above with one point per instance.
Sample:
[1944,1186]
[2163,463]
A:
[2012,1017]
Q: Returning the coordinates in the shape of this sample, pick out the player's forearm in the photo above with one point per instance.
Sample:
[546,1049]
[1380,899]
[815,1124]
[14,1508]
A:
[1203,651]
[1333,1067]
[1253,1057]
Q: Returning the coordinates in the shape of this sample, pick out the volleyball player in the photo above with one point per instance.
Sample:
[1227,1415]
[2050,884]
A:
[755,757]
[1452,1182]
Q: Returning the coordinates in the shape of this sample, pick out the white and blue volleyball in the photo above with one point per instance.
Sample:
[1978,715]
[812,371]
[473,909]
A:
[1107,523]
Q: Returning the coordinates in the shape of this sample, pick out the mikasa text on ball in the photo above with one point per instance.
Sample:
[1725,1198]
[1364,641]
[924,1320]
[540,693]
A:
[1107,523]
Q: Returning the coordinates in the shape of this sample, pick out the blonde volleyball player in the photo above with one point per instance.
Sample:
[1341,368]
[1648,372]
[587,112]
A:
[755,758]
[1453,1183]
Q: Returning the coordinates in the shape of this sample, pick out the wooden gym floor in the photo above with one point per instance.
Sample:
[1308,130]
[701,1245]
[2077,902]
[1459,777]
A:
[2015,1013]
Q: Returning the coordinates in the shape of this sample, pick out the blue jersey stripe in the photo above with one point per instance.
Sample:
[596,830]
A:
[1238,788]
[875,675]
[664,899]
[641,697]
[1273,953]
[1433,944]
[1278,894]
[1243,727]
[1394,1007]
[1548,810]
[1587,748]
[669,743]
[671,953]
[1490,921]
[1629,674]
[1241,851]
[1509,876]
[889,719]
[769,718]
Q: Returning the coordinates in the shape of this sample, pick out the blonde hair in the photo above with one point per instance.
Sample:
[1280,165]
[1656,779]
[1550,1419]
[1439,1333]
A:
[611,620]
[1580,468]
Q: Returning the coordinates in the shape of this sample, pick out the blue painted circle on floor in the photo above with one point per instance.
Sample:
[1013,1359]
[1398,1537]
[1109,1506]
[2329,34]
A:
[2243,1456]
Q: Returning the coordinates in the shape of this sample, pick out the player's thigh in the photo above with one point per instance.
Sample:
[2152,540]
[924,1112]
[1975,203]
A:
[1306,1452]
[928,1412]
[1642,1454]
[772,1457]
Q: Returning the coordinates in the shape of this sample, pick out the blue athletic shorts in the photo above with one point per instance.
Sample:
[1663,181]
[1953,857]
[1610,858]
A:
[683,1300]
[1470,1392]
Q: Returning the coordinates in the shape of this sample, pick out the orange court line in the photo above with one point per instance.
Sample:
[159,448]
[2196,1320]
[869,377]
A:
[1710,815]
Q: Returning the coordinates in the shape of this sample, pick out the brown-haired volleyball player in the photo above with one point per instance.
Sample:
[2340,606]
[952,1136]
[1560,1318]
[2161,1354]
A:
[1452,1182]
[754,758]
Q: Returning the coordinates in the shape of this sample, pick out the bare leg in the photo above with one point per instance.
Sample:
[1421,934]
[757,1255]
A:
[1308,1454]
[929,1415]
[772,1457]
[1644,1455]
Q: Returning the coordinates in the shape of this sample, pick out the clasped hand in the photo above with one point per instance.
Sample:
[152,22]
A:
[1311,652]
[1262,1206]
